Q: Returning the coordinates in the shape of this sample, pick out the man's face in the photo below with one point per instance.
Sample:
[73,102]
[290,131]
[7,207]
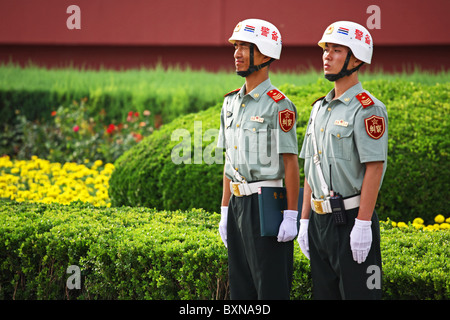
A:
[334,56]
[242,56]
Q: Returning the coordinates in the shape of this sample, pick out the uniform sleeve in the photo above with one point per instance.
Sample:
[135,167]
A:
[286,127]
[221,138]
[371,133]
[304,151]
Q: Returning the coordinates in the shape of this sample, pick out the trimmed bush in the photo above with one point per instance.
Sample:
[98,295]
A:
[142,253]
[167,169]
[418,171]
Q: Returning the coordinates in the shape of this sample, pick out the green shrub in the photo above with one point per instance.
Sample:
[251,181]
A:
[142,253]
[416,264]
[123,253]
[418,170]
[147,175]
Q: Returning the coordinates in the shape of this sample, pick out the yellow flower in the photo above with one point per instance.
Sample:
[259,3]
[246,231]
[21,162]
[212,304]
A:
[439,218]
[39,180]
[394,224]
[444,226]
[418,225]
[402,225]
[418,221]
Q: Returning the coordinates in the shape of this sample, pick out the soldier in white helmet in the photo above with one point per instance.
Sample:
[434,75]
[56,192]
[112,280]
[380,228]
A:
[258,133]
[345,152]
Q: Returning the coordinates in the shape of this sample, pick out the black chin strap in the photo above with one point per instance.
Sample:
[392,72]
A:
[252,68]
[344,72]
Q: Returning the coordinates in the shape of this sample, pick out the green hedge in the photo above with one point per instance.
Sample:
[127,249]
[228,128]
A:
[141,253]
[36,92]
[417,174]
[168,92]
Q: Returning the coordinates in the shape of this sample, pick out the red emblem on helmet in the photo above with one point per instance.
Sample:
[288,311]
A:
[375,126]
[286,119]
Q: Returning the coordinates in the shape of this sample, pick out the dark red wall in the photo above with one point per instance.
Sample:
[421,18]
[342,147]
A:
[123,34]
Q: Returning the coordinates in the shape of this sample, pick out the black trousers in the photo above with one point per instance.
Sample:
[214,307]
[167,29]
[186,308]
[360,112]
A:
[259,267]
[335,275]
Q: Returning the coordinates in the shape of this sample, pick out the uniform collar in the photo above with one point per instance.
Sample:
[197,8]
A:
[257,93]
[347,96]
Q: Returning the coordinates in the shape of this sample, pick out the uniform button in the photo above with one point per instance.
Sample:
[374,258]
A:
[329,109]
[236,169]
[243,105]
[338,135]
[254,129]
[235,147]
[237,125]
[320,152]
[321,129]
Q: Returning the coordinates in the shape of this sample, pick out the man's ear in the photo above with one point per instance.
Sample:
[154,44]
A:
[356,62]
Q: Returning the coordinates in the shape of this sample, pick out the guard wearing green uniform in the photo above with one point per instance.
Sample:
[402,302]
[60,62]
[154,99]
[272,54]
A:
[345,152]
[257,131]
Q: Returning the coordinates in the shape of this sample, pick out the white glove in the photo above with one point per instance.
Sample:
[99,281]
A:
[288,227]
[303,237]
[223,225]
[361,240]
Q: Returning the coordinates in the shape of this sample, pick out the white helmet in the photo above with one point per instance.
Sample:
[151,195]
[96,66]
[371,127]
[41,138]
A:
[352,35]
[261,33]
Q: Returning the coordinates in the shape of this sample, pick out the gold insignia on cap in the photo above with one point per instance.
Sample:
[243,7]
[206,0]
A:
[329,30]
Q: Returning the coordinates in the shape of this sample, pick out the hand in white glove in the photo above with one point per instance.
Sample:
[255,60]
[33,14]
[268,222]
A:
[223,225]
[303,237]
[288,227]
[361,240]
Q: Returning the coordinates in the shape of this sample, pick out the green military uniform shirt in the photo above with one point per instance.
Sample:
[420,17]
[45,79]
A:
[255,130]
[350,131]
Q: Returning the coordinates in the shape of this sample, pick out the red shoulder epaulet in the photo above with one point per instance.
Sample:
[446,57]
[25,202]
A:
[234,91]
[276,95]
[364,99]
[317,100]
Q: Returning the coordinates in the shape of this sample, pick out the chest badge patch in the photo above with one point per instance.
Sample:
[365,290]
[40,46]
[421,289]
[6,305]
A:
[375,126]
[341,123]
[286,119]
[257,119]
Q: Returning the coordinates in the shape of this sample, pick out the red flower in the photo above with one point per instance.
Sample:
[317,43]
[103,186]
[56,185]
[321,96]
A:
[53,113]
[110,129]
[137,136]
[76,128]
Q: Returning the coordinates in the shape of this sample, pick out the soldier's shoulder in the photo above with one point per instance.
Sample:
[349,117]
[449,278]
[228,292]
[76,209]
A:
[367,100]
[232,92]
[318,99]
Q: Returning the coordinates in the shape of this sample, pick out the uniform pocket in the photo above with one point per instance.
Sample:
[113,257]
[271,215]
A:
[255,136]
[340,142]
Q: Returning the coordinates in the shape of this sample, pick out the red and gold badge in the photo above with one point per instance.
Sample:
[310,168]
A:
[365,100]
[286,119]
[375,126]
[276,95]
